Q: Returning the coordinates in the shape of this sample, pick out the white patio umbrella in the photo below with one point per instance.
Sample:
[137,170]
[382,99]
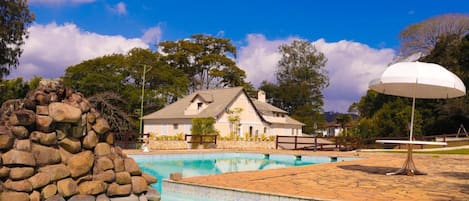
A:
[417,80]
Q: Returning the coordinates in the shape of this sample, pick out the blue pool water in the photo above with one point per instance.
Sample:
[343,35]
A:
[161,165]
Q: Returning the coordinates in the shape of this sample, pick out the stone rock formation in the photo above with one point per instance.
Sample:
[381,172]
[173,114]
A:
[55,146]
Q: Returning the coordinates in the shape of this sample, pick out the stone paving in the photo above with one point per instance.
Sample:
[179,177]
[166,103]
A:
[365,179]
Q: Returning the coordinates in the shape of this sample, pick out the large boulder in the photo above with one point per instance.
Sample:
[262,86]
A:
[92,187]
[123,178]
[39,180]
[132,167]
[21,173]
[44,123]
[56,172]
[101,126]
[81,163]
[71,145]
[45,155]
[67,187]
[61,112]
[20,132]
[107,176]
[20,186]
[103,164]
[90,140]
[49,191]
[22,118]
[139,185]
[14,196]
[15,157]
[6,141]
[23,145]
[115,189]
[102,149]
[44,138]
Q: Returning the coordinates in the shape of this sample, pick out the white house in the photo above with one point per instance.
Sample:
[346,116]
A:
[256,117]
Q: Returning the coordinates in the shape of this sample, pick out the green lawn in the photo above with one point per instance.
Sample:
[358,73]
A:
[456,151]
[416,151]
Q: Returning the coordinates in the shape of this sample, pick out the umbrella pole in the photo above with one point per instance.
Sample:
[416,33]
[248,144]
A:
[412,119]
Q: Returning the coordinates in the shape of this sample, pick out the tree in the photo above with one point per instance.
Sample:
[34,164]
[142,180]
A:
[234,118]
[301,71]
[110,105]
[13,89]
[14,21]
[122,75]
[422,37]
[300,78]
[343,119]
[205,60]
[445,116]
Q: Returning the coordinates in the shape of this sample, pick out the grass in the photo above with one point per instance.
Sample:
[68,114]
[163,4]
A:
[455,151]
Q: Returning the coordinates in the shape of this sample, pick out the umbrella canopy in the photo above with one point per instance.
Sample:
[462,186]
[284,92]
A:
[419,80]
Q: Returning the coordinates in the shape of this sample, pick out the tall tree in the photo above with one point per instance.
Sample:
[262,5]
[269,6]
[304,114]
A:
[122,74]
[14,21]
[205,60]
[301,76]
[422,37]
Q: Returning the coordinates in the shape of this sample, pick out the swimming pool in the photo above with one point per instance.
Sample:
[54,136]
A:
[199,164]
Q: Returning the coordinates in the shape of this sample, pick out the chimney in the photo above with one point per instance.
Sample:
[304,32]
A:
[261,96]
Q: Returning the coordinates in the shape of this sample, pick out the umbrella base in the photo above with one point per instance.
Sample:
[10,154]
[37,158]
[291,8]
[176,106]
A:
[408,168]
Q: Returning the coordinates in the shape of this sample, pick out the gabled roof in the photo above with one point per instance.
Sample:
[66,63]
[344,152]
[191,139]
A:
[265,108]
[219,100]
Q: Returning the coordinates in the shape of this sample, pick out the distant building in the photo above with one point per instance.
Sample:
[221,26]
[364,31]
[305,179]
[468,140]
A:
[256,117]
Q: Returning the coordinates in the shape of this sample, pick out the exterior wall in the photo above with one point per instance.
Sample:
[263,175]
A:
[250,120]
[167,127]
[282,129]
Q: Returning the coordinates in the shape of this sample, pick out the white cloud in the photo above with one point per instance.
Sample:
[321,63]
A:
[120,8]
[260,57]
[153,35]
[350,66]
[51,48]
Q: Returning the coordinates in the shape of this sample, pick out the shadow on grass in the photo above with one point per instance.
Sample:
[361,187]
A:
[369,169]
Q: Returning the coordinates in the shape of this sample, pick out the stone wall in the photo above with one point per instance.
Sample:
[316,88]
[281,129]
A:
[221,144]
[55,146]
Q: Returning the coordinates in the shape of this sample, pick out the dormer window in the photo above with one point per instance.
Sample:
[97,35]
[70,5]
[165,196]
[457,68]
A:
[199,105]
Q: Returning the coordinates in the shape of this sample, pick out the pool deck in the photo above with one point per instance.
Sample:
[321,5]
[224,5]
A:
[364,179]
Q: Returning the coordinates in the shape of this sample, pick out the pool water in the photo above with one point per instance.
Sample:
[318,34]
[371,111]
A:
[200,164]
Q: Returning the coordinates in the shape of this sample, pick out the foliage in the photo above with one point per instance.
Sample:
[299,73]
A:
[205,60]
[203,126]
[109,104]
[13,89]
[445,116]
[301,76]
[122,74]
[14,21]
[343,119]
[234,118]
[423,36]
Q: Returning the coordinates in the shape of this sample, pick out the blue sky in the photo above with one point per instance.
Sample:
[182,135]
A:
[359,38]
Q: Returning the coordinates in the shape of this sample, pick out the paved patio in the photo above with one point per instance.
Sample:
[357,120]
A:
[447,179]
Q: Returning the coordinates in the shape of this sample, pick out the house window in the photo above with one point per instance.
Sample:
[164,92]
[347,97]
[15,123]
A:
[199,105]
[265,130]
[175,126]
